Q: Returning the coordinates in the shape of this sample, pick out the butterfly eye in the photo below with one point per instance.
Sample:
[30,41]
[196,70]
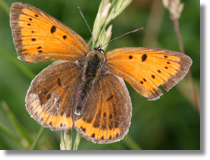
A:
[99,49]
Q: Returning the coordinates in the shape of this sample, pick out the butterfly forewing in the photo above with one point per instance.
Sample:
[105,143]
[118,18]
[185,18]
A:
[106,117]
[146,68]
[40,37]
[51,97]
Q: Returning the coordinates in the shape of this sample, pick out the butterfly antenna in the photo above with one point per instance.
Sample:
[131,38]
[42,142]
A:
[87,24]
[123,35]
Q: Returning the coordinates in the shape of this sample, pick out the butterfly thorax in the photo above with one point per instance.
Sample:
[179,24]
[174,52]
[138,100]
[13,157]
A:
[91,70]
[92,66]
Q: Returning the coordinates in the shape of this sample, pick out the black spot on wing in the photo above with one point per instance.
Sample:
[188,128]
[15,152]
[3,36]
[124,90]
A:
[59,81]
[64,36]
[109,98]
[144,57]
[53,29]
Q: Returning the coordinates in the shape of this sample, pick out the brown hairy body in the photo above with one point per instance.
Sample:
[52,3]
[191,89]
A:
[92,67]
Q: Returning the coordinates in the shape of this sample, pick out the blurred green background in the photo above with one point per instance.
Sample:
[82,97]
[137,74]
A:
[169,123]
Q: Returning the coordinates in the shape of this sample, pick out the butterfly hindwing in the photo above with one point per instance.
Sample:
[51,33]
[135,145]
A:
[106,117]
[40,37]
[51,97]
[146,68]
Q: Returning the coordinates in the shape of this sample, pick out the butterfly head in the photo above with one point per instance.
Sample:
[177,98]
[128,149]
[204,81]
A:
[98,49]
[96,56]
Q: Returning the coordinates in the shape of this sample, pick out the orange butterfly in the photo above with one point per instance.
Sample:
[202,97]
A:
[84,82]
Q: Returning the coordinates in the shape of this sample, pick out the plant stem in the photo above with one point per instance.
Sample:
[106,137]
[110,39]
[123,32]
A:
[189,75]
[77,140]
[4,6]
[19,128]
[9,134]
[131,143]
[37,138]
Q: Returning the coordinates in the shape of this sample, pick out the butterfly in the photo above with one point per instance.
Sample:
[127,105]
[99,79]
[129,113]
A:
[85,88]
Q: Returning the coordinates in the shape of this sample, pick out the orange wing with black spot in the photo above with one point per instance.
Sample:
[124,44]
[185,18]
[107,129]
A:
[107,114]
[147,68]
[51,97]
[40,37]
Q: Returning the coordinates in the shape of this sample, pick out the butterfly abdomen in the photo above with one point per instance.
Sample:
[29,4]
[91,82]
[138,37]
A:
[91,71]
